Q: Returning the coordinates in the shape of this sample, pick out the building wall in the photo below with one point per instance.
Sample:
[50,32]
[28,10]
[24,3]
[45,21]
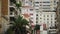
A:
[44,8]
[4,7]
[26,3]
[48,18]
[39,6]
[45,5]
[30,11]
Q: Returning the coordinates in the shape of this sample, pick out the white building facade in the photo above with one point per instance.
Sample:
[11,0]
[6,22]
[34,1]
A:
[45,8]
[41,11]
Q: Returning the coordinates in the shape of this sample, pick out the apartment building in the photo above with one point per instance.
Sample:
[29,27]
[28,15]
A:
[40,9]
[41,12]
[45,5]
[27,9]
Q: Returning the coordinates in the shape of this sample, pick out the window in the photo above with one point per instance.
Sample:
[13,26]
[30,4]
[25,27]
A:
[55,18]
[40,18]
[46,8]
[51,15]
[51,19]
[46,5]
[36,14]
[51,22]
[54,1]
[47,15]
[36,18]
[36,5]
[12,18]
[31,14]
[47,18]
[44,18]
[37,2]
[31,21]
[44,15]
[36,21]
[12,9]
[31,9]
[47,21]
[31,18]
[36,9]
[46,2]
[26,1]
[11,13]
[40,5]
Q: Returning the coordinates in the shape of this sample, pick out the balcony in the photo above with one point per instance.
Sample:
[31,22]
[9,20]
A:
[12,2]
[12,19]
[52,31]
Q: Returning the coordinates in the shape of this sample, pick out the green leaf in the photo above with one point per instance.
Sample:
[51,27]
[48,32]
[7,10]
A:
[18,5]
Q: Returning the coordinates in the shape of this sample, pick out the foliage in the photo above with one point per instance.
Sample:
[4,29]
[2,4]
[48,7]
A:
[18,5]
[18,26]
[37,27]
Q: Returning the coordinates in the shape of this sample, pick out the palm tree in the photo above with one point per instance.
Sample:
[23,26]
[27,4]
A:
[18,27]
[17,4]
